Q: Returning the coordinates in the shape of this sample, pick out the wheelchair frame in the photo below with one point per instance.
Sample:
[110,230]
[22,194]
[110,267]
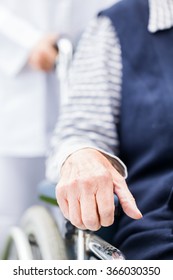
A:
[39,237]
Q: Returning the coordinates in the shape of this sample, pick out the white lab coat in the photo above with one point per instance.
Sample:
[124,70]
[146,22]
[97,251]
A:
[28,98]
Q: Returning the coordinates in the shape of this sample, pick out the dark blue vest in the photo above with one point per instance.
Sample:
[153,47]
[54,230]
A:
[146,131]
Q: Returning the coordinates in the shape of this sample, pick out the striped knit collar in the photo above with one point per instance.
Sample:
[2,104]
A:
[160,15]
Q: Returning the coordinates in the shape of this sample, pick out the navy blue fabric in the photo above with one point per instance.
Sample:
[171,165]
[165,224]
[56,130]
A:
[146,131]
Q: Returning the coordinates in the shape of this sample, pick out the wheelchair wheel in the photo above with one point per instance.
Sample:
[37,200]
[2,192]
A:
[17,246]
[43,234]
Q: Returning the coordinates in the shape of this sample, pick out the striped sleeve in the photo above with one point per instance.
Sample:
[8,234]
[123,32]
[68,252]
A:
[90,116]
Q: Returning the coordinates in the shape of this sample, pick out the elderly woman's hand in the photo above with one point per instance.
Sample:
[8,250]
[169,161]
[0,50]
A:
[85,192]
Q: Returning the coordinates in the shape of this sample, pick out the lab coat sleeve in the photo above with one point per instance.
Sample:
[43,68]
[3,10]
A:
[17,38]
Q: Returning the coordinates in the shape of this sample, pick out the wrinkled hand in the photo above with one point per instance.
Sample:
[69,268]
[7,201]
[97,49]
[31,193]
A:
[85,192]
[44,54]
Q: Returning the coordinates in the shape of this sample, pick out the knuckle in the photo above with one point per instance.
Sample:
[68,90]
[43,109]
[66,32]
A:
[119,184]
[88,184]
[91,224]
[60,193]
[97,227]
[107,214]
[66,185]
[86,181]
[73,183]
[131,199]
[124,200]
[77,222]
[86,188]
[127,201]
[60,190]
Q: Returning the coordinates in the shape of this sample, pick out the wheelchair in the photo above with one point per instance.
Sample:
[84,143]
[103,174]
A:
[39,236]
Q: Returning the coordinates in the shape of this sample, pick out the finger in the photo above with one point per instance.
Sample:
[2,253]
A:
[75,213]
[62,202]
[126,199]
[89,212]
[106,207]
